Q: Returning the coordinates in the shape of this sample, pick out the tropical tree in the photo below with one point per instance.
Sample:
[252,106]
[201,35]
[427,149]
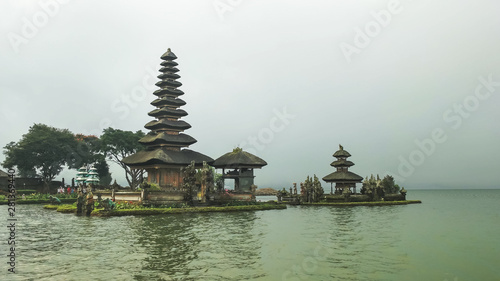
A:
[43,152]
[318,189]
[88,151]
[103,170]
[118,144]
[389,185]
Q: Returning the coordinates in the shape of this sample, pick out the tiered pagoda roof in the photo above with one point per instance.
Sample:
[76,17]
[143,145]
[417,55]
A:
[342,165]
[239,159]
[166,141]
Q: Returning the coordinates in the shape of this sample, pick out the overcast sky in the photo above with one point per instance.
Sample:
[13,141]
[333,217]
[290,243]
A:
[409,88]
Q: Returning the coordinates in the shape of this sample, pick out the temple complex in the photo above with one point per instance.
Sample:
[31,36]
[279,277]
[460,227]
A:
[342,178]
[166,144]
[239,165]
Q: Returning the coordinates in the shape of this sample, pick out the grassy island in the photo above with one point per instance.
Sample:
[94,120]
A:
[139,210]
[161,211]
[65,208]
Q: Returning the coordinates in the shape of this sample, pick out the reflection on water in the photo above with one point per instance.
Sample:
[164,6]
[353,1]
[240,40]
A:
[437,240]
[198,247]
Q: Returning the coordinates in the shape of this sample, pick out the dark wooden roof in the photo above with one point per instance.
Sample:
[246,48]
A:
[239,159]
[340,176]
[167,157]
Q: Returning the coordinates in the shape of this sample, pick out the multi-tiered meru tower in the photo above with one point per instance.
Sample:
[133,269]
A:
[165,152]
[342,178]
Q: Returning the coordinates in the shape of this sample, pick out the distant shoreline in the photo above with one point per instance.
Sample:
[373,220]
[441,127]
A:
[369,203]
[266,192]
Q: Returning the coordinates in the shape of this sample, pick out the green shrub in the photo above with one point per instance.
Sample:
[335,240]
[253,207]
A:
[154,186]
[25,191]
[157,211]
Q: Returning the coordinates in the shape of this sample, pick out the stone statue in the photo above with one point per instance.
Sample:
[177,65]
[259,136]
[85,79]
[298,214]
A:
[108,204]
[79,202]
[54,200]
[89,206]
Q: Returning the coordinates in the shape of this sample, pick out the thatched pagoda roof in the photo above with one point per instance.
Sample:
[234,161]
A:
[165,111]
[168,91]
[163,156]
[239,159]
[167,124]
[342,163]
[168,55]
[341,176]
[167,100]
[165,138]
[169,63]
[341,152]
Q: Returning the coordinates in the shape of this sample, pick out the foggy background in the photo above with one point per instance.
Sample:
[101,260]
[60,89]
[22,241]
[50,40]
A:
[402,85]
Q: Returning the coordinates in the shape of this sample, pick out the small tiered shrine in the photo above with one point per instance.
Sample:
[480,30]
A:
[92,176]
[239,165]
[86,176]
[342,178]
[165,152]
[81,175]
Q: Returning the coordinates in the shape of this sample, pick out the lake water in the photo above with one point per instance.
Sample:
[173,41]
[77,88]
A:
[452,235]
